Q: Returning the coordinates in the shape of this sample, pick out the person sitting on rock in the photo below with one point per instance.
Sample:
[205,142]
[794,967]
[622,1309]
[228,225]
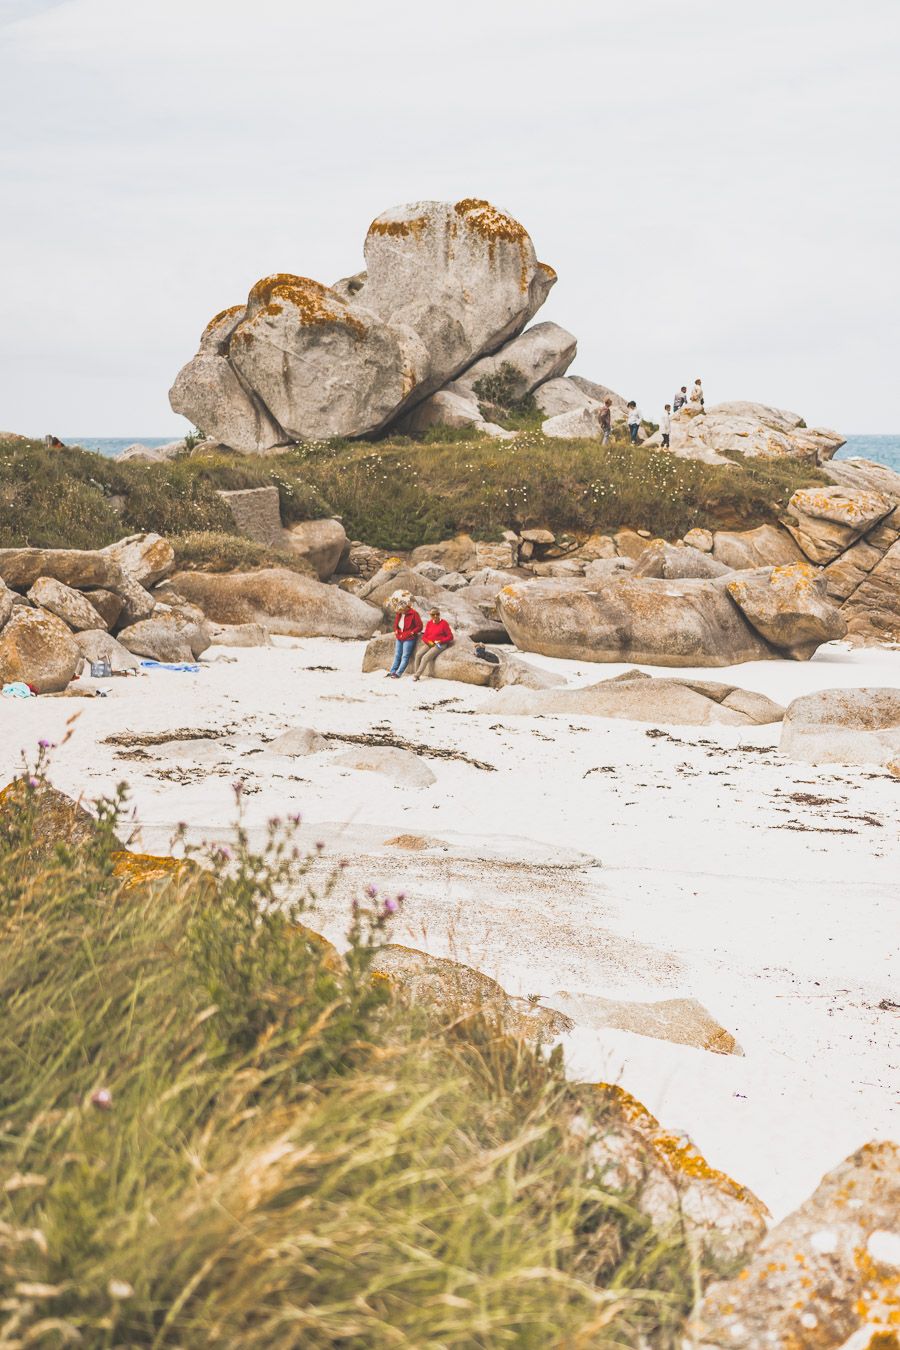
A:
[407,627]
[634,421]
[604,417]
[680,398]
[438,636]
[665,425]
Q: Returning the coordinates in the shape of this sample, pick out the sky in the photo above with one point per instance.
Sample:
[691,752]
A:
[715,182]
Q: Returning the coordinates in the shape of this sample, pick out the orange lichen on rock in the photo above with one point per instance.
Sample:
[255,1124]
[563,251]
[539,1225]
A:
[548,271]
[314,303]
[228,313]
[135,869]
[496,227]
[399,229]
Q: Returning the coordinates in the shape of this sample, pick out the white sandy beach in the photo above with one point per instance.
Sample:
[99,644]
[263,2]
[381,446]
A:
[601,857]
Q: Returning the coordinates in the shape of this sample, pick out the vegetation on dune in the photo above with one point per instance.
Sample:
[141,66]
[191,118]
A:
[215,1132]
[396,493]
[215,551]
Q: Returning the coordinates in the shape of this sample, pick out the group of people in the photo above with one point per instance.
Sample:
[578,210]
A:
[692,401]
[431,638]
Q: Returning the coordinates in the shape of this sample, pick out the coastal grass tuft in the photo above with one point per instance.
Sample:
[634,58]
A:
[216,1132]
[395,493]
[215,551]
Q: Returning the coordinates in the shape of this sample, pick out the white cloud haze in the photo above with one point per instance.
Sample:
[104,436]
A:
[715,183]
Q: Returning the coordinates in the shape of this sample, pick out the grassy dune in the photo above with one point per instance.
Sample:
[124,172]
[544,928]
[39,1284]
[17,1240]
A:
[214,1132]
[394,493]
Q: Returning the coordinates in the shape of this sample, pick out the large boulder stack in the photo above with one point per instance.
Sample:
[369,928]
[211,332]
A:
[751,429]
[445,284]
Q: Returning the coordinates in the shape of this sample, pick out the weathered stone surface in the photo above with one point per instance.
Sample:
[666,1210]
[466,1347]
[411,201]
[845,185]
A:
[297,741]
[600,393]
[320,542]
[57,820]
[559,567]
[108,605]
[425,262]
[463,616]
[210,392]
[402,767]
[147,558]
[459,662]
[281,601]
[67,604]
[778,418]
[850,569]
[137,603]
[766,546]
[660,559]
[630,544]
[789,606]
[596,547]
[674,1185]
[827,1277]
[873,610]
[256,513]
[827,520]
[167,635]
[7,602]
[843,726]
[449,407]
[637,697]
[700,538]
[238,635]
[496,553]
[602,571]
[651,622]
[579,424]
[432,570]
[864,473]
[752,433]
[37,648]
[321,366]
[456,555]
[683,1021]
[541,353]
[563,395]
[98,645]
[78,568]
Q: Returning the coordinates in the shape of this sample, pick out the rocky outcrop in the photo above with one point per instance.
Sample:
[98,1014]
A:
[302,361]
[578,424]
[826,1278]
[38,649]
[460,662]
[541,353]
[749,429]
[78,568]
[637,697]
[147,558]
[766,546]
[650,622]
[320,542]
[789,607]
[97,645]
[168,635]
[281,601]
[67,604]
[825,521]
[843,726]
[660,559]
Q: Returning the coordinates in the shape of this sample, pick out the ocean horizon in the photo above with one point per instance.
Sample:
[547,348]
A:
[884,449]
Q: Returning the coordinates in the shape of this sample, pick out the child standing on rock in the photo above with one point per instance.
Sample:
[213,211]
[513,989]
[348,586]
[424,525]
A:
[407,627]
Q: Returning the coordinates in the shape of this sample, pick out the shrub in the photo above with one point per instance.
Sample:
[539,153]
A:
[503,398]
[213,551]
[215,1132]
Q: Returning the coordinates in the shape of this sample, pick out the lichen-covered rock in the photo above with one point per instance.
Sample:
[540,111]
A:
[827,520]
[873,610]
[650,622]
[39,649]
[148,558]
[320,542]
[67,604]
[97,645]
[108,605]
[78,568]
[543,352]
[281,601]
[52,817]
[637,697]
[827,1277]
[673,1184]
[766,546]
[757,432]
[789,606]
[7,602]
[660,559]
[843,726]
[210,392]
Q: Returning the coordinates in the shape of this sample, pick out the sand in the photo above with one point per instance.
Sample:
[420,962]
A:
[594,856]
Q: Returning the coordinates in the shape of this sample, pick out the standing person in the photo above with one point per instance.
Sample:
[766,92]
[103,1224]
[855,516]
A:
[680,398]
[665,425]
[438,636]
[605,419]
[407,627]
[634,421]
[696,399]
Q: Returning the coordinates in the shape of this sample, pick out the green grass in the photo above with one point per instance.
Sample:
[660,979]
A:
[288,1155]
[394,494]
[214,551]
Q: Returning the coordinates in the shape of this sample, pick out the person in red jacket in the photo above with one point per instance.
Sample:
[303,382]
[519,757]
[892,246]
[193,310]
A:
[407,627]
[438,636]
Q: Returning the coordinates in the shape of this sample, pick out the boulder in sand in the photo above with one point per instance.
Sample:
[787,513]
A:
[282,601]
[637,697]
[683,1021]
[650,622]
[168,635]
[843,726]
[98,645]
[826,1277]
[78,568]
[766,546]
[37,648]
[827,520]
[541,353]
[148,558]
[660,559]
[459,662]
[297,741]
[320,542]
[67,604]
[402,767]
[789,606]
[238,635]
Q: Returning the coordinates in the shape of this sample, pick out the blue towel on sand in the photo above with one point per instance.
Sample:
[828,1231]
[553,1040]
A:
[189,667]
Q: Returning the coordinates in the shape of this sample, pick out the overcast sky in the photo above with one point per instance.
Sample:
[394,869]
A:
[714,180]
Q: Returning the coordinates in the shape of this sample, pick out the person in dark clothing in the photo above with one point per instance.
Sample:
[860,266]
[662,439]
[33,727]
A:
[604,417]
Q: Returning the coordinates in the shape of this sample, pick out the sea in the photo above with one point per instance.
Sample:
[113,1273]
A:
[883,449]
